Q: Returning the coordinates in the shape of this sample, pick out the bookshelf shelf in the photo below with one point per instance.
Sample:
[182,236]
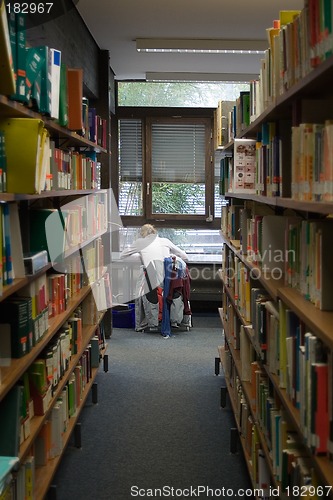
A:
[271,283]
[57,194]
[324,208]
[19,283]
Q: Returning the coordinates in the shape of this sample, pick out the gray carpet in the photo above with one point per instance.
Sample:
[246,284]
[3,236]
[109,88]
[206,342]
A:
[157,423]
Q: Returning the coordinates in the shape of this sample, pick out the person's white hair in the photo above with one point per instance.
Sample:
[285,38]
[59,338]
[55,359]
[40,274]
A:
[146,230]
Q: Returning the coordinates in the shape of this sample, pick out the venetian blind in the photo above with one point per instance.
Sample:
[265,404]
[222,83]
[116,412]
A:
[178,152]
[130,150]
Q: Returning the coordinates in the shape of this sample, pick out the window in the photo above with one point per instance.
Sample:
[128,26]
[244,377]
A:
[174,173]
[178,167]
[180,94]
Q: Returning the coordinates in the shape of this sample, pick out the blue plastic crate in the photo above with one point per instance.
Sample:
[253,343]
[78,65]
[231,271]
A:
[124,317]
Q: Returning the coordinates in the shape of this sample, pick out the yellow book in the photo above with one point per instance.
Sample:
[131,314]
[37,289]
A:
[7,80]
[24,137]
[43,161]
[287,16]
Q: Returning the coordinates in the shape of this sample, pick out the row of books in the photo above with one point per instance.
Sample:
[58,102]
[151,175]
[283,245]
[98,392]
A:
[46,167]
[40,382]
[256,166]
[59,231]
[312,163]
[247,427]
[50,440]
[259,417]
[55,231]
[309,263]
[261,238]
[298,41]
[25,315]
[37,77]
[274,335]
[286,246]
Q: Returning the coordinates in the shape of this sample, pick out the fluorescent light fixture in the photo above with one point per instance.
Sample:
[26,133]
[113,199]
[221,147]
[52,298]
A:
[201,46]
[200,77]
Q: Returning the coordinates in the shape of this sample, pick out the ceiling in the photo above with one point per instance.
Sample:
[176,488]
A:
[115,25]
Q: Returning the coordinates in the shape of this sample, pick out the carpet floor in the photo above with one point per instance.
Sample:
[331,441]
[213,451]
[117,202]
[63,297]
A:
[158,424]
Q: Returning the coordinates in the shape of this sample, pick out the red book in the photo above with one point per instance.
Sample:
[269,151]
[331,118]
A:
[320,407]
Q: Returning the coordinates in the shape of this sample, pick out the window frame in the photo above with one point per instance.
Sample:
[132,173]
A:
[189,115]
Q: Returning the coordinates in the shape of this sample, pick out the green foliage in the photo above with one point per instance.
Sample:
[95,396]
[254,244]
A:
[177,94]
[178,198]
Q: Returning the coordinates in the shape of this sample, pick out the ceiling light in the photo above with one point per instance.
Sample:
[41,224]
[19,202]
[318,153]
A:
[201,46]
[200,77]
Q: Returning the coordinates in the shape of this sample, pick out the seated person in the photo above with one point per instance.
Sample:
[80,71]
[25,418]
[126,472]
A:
[152,249]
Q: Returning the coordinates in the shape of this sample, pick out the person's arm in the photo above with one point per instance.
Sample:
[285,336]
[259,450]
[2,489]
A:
[177,251]
[129,251]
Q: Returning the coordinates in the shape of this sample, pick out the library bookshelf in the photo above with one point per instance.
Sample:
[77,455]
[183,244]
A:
[276,316]
[78,376]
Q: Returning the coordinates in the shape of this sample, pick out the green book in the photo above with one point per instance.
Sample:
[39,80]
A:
[10,422]
[20,56]
[16,312]
[38,377]
[34,62]
[45,83]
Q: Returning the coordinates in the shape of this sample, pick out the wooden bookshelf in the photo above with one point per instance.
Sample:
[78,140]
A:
[285,110]
[67,140]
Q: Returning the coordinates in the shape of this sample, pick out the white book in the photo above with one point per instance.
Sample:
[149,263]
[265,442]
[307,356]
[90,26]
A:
[55,56]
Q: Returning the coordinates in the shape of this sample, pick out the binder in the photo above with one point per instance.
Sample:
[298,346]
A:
[7,80]
[75,95]
[24,138]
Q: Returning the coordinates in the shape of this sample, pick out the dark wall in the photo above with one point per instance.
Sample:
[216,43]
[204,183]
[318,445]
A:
[67,32]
